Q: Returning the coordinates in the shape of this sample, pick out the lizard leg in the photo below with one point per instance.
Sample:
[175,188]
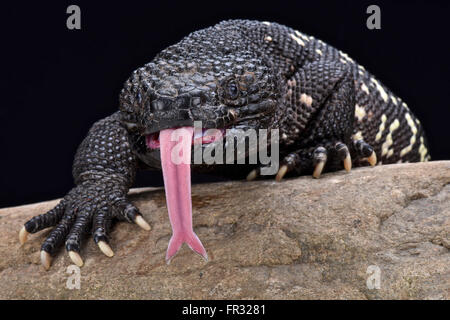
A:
[104,169]
[320,102]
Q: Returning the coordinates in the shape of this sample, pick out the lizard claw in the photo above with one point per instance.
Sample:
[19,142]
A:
[253,175]
[281,173]
[372,159]
[46,259]
[76,258]
[105,248]
[348,163]
[139,220]
[318,169]
[23,235]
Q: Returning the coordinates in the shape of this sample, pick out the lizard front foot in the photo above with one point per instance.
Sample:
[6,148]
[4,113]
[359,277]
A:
[89,207]
[336,155]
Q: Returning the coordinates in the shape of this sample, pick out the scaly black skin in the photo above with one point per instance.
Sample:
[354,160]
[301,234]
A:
[237,74]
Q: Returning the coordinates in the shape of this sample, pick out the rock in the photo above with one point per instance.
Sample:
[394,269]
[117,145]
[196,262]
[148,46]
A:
[299,239]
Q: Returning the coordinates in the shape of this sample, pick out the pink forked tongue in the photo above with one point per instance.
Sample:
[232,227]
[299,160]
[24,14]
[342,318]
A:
[175,161]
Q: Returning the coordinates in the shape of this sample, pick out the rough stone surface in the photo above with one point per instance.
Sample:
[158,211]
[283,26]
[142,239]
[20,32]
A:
[299,239]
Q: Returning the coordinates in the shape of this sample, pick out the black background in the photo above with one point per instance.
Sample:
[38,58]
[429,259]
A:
[58,82]
[275,309]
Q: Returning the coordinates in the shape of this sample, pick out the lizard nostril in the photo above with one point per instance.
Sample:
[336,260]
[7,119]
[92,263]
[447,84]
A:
[233,114]
[158,105]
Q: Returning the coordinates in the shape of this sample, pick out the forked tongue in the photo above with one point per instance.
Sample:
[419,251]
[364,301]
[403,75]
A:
[175,161]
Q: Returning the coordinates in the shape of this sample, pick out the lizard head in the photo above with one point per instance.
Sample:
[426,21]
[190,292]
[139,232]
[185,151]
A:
[221,84]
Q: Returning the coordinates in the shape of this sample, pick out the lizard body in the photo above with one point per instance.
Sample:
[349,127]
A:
[330,112]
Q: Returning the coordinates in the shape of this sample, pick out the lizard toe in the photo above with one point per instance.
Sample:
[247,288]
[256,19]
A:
[289,163]
[42,221]
[125,210]
[56,237]
[365,152]
[101,225]
[319,160]
[344,155]
[79,229]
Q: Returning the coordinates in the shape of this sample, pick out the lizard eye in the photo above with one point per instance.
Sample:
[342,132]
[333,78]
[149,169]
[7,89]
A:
[232,90]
